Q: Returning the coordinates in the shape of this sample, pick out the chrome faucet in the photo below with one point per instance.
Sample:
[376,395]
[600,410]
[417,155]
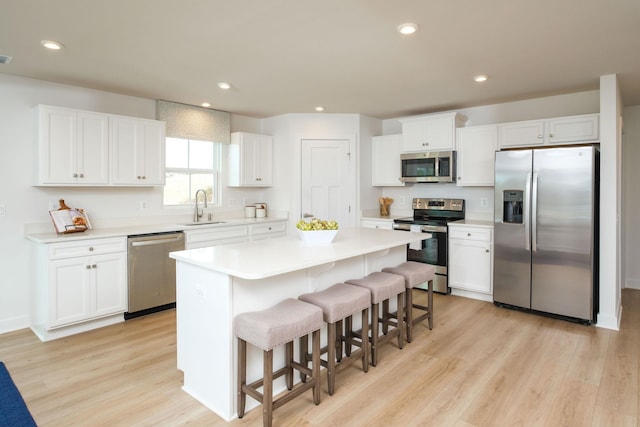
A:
[198,214]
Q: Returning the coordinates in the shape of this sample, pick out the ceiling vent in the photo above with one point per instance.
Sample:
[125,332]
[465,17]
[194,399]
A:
[5,59]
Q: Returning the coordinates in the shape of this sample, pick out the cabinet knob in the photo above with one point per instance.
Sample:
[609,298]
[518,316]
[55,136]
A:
[75,175]
[144,177]
[88,267]
[539,136]
[90,248]
[424,144]
[81,175]
[94,266]
[258,179]
[468,234]
[486,250]
[551,135]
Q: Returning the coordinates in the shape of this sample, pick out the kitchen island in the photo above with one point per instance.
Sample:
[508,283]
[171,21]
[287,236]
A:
[214,284]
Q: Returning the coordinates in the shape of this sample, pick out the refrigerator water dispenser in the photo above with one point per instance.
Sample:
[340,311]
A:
[512,206]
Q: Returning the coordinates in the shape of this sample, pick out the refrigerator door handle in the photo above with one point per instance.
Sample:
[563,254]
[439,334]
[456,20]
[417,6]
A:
[526,213]
[534,213]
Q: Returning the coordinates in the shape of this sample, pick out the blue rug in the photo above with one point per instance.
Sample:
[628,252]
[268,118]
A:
[13,410]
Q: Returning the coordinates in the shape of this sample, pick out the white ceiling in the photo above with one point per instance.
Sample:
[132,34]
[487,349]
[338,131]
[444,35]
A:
[287,56]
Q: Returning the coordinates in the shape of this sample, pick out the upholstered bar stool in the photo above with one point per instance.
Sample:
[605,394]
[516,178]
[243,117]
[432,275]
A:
[382,287]
[267,329]
[340,302]
[415,273]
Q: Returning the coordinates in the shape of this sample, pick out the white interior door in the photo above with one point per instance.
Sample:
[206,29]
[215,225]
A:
[326,180]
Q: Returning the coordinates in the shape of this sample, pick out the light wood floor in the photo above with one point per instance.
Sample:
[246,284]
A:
[480,366]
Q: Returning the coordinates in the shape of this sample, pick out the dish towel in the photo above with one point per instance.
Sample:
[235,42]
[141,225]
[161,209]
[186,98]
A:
[417,245]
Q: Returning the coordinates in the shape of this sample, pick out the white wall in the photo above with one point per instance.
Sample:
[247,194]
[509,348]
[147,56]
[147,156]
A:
[610,202]
[290,129]
[26,204]
[631,197]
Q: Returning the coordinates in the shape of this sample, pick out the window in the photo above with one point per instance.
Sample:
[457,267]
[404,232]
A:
[191,165]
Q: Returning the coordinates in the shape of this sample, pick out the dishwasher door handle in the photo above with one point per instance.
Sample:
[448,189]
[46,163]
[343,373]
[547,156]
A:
[156,241]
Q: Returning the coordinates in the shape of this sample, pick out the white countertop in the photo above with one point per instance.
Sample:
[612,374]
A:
[124,231]
[267,258]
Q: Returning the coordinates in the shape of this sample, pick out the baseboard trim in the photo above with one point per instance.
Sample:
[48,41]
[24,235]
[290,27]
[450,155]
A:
[14,324]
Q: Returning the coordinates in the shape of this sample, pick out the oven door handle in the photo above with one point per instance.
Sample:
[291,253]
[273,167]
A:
[423,228]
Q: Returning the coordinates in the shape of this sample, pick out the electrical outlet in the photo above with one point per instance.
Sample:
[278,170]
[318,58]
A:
[233,202]
[143,205]
[484,202]
[402,200]
[3,210]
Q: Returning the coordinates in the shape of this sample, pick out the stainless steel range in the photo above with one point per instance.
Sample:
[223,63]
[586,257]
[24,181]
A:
[432,216]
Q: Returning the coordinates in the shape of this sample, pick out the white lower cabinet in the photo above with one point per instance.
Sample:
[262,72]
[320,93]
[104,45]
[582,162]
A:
[82,283]
[86,288]
[374,223]
[267,231]
[225,235]
[471,259]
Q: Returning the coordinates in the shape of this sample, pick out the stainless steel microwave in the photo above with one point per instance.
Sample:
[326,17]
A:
[429,166]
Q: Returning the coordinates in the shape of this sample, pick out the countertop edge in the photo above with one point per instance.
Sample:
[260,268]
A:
[142,229]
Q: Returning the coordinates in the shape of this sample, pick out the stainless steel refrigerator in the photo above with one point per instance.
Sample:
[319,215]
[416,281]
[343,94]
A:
[546,231]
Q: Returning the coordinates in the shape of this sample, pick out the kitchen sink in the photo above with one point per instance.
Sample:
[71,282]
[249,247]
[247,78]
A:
[203,223]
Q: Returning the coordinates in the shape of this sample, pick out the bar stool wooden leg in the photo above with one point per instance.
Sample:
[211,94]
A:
[331,357]
[316,366]
[365,340]
[289,361]
[374,334]
[304,351]
[430,299]
[400,325]
[242,376]
[267,389]
[409,314]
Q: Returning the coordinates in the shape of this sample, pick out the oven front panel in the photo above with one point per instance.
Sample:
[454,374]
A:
[434,250]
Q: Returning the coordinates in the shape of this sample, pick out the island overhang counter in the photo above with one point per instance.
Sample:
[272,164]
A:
[214,284]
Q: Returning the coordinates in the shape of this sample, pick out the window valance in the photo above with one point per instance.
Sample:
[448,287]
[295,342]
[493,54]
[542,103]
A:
[191,122]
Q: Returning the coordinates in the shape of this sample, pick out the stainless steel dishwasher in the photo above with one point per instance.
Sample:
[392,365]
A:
[152,274]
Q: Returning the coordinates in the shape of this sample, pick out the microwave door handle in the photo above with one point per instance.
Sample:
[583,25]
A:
[526,213]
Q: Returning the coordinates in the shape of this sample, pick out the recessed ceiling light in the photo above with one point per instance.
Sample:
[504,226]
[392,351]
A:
[319,108]
[480,78]
[408,28]
[206,105]
[223,85]
[50,44]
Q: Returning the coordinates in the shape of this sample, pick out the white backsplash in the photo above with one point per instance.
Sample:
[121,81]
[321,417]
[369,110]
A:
[478,200]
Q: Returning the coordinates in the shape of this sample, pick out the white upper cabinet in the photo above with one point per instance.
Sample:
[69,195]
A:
[73,147]
[561,130]
[476,155]
[430,133]
[385,161]
[250,160]
[137,151]
[76,148]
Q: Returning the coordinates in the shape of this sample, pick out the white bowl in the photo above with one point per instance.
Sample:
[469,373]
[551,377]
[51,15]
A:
[317,236]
